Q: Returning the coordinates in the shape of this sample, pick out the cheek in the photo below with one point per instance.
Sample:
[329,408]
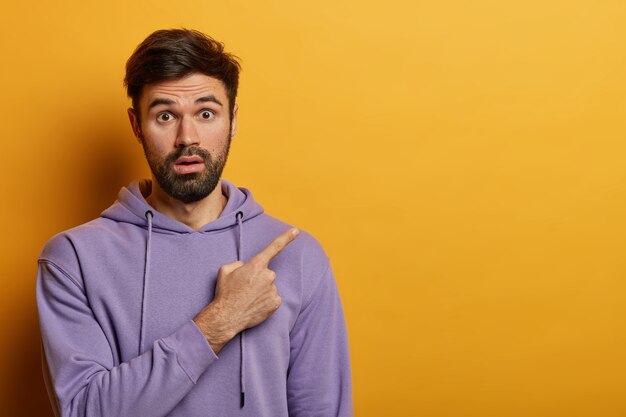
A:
[215,138]
[154,147]
[158,137]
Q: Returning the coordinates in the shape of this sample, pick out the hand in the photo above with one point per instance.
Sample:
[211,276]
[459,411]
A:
[245,295]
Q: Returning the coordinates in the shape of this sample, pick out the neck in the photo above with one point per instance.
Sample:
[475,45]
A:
[194,215]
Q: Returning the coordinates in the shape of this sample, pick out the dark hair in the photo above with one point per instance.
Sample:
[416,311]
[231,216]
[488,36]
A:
[175,53]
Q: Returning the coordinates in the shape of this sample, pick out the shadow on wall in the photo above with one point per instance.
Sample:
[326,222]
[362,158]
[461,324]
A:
[26,394]
[102,159]
[78,182]
[109,168]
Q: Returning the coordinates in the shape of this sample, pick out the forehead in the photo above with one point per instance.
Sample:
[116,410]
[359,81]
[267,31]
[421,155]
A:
[185,89]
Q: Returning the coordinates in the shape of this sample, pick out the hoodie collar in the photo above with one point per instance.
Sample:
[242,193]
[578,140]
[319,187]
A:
[131,207]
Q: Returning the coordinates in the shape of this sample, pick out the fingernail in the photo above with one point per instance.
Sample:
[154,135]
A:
[295,232]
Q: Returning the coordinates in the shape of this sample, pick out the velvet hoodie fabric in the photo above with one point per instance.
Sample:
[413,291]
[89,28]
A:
[116,299]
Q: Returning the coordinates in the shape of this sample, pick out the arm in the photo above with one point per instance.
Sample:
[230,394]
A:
[318,380]
[86,382]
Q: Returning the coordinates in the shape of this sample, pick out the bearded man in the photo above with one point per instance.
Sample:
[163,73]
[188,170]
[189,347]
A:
[184,298]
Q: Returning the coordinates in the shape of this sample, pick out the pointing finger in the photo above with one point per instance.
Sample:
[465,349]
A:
[263,258]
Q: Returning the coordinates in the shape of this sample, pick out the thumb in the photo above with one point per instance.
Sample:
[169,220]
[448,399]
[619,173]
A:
[228,268]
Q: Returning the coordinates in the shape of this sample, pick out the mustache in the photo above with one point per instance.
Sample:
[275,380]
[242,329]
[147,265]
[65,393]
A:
[190,151]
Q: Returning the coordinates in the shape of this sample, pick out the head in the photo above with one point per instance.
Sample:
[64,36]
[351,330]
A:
[183,88]
[175,53]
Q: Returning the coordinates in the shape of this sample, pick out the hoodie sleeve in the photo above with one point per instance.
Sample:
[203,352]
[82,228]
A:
[81,364]
[318,380]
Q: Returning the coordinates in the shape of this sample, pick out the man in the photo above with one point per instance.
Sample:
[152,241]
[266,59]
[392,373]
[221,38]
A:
[184,298]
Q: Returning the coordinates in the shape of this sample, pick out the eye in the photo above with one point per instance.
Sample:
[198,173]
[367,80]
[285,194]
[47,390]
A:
[206,114]
[164,117]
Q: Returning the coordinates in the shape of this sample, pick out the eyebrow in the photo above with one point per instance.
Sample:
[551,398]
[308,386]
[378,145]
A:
[210,98]
[167,101]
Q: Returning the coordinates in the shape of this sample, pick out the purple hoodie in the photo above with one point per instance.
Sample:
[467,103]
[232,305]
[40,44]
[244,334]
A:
[116,299]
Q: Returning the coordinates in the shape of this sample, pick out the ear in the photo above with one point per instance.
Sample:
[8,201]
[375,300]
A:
[233,123]
[134,123]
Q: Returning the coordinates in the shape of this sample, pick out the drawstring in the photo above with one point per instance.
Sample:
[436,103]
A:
[146,272]
[242,380]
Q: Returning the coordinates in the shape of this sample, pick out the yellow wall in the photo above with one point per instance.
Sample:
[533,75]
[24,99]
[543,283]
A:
[462,162]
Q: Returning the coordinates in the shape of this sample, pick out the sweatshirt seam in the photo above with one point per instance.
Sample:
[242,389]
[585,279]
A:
[178,361]
[319,284]
[61,270]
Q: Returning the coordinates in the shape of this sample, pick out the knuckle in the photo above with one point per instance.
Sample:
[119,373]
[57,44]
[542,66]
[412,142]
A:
[271,275]
[266,276]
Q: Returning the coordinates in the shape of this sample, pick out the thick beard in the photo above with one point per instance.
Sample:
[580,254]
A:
[191,187]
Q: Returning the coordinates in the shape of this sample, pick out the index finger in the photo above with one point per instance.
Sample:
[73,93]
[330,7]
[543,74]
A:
[263,258]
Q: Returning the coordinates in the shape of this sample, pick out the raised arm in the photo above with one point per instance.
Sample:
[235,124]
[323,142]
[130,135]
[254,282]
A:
[245,295]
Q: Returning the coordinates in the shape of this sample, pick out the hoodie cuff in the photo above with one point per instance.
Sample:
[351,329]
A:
[193,351]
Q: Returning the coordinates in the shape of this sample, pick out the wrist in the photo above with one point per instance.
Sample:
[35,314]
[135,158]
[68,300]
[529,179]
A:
[215,326]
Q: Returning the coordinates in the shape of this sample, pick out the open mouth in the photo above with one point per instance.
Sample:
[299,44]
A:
[189,160]
[188,164]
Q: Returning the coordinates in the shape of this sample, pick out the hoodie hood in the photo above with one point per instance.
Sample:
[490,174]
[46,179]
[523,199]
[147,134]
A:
[131,207]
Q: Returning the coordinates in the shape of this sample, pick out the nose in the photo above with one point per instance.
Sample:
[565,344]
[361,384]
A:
[187,134]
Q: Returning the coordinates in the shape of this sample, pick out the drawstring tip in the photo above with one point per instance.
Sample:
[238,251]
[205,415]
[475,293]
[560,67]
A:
[243,399]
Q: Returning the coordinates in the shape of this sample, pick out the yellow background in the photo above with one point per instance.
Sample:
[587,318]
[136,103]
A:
[462,162]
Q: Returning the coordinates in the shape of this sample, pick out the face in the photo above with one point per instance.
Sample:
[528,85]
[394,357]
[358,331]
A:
[185,129]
